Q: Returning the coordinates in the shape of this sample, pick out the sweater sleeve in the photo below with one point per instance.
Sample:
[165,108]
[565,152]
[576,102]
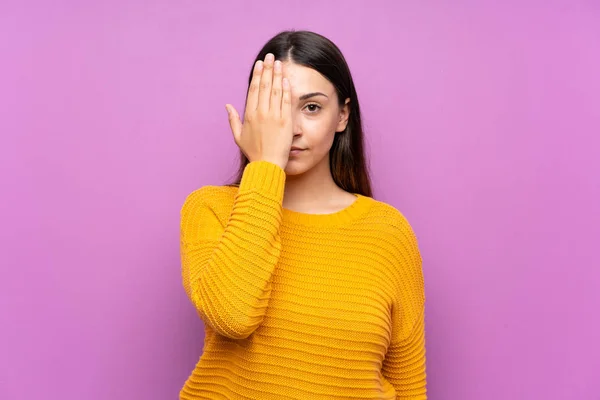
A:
[227,268]
[404,364]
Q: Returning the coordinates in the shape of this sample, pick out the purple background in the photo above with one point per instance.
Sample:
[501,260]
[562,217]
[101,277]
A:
[482,123]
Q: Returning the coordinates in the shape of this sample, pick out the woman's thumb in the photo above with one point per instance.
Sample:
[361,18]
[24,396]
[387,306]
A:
[234,121]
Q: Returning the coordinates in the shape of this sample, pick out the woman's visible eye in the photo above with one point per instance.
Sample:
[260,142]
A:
[313,108]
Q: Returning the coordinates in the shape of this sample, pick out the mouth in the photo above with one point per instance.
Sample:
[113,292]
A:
[296,150]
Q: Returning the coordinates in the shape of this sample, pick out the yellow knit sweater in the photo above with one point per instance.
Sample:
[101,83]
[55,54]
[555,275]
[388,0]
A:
[301,306]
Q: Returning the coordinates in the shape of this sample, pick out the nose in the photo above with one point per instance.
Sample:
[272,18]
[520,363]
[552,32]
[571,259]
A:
[296,126]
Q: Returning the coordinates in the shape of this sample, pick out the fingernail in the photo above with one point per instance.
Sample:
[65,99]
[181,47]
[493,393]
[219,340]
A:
[227,108]
[270,57]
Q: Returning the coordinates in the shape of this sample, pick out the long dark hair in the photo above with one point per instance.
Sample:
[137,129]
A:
[347,158]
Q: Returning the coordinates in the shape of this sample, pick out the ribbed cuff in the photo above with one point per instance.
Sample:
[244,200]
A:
[264,177]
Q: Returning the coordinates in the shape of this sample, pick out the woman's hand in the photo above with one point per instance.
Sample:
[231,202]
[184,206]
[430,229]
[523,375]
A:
[266,133]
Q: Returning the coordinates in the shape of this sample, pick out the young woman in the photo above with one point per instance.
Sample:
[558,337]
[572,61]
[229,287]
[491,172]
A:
[307,286]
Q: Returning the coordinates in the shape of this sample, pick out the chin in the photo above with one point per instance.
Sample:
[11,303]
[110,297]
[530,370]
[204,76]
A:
[291,170]
[295,167]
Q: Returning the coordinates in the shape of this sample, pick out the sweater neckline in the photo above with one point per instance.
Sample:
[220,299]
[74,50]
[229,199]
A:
[340,217]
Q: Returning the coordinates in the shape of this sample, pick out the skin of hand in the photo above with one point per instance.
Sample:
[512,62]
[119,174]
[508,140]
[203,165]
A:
[266,133]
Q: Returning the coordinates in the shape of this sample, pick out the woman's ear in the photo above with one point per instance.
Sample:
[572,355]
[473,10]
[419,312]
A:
[343,117]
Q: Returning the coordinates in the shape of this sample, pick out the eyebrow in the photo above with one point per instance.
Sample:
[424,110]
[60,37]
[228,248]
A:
[313,94]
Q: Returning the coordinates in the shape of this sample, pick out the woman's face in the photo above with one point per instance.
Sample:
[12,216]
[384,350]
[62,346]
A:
[316,117]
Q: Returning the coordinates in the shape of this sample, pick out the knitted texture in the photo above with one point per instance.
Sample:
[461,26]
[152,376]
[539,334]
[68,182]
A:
[301,306]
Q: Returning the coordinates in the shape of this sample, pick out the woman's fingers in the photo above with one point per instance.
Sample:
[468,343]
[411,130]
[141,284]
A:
[276,92]
[252,100]
[286,100]
[266,132]
[266,81]
[234,122]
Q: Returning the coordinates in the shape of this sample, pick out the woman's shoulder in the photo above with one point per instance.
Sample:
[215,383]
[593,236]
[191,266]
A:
[213,196]
[389,214]
[208,191]
[391,221]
